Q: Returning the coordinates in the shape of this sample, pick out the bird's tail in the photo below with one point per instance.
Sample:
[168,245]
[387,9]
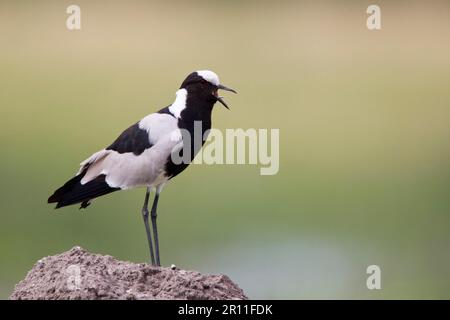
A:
[73,192]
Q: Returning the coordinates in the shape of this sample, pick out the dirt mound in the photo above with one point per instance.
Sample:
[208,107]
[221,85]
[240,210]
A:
[78,274]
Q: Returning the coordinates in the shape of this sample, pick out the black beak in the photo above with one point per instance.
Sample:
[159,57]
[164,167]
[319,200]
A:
[221,86]
[220,99]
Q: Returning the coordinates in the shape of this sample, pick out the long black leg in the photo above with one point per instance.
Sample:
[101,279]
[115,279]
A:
[147,226]
[155,229]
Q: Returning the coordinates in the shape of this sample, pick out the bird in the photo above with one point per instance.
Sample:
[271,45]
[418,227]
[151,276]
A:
[142,155]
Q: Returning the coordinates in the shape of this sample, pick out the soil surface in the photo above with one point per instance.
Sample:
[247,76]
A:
[79,274]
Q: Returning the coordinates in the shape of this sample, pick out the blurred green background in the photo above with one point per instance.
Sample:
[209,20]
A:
[364,119]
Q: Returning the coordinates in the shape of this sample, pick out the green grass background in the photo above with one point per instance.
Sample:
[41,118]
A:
[364,121]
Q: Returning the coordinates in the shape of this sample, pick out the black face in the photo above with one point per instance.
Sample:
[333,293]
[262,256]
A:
[196,85]
[204,90]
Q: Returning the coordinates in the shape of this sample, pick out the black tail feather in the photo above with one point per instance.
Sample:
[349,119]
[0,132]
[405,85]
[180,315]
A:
[73,192]
[69,185]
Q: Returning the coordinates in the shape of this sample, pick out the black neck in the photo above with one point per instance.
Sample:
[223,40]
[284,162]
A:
[198,108]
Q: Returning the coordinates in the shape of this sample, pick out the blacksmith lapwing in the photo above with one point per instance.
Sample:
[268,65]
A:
[142,155]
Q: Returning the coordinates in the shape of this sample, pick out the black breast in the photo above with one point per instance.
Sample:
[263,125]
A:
[187,121]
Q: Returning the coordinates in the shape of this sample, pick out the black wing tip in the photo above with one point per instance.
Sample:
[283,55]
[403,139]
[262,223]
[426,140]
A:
[52,199]
[58,203]
[74,192]
[57,197]
[85,204]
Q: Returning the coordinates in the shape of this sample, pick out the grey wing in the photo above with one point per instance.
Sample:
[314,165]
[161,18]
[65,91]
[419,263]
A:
[138,156]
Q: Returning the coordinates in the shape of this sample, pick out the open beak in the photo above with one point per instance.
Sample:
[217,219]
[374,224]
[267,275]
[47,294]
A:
[220,99]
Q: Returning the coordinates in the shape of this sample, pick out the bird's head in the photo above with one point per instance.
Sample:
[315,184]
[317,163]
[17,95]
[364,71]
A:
[205,85]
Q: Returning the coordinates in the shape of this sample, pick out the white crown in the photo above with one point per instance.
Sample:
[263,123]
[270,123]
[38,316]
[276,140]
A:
[209,76]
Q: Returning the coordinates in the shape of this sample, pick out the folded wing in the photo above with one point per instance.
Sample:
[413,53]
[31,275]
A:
[136,158]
